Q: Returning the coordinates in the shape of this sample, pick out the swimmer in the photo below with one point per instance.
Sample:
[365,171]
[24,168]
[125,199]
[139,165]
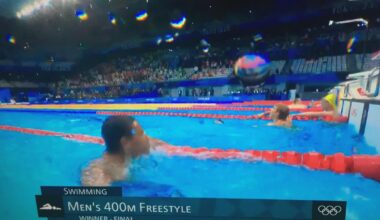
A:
[125,140]
[280,116]
[328,106]
[219,121]
[297,104]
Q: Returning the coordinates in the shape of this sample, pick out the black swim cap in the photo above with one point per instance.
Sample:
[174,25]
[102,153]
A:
[113,129]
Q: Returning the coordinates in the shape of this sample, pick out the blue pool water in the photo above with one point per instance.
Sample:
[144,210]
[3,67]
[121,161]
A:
[29,161]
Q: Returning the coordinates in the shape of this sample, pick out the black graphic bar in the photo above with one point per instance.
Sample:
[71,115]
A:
[81,191]
[82,203]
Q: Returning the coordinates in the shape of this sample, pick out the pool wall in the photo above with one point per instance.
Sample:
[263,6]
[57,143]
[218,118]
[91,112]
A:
[365,116]
[183,99]
[91,107]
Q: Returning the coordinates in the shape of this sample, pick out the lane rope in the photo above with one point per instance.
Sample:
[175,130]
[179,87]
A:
[366,165]
[220,116]
[271,102]
[230,108]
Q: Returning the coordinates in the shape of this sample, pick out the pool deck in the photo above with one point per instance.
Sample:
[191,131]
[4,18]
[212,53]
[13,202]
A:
[131,106]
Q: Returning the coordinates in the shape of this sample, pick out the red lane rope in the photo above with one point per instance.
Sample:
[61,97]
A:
[77,137]
[190,115]
[215,108]
[366,165]
[229,108]
[270,102]
[218,116]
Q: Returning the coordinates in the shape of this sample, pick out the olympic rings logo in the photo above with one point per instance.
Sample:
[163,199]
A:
[329,210]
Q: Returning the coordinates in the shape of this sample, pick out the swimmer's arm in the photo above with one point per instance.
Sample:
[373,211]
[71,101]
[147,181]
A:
[297,106]
[263,114]
[317,114]
[154,142]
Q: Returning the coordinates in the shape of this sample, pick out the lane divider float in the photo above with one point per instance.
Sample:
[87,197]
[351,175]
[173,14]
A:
[271,102]
[220,116]
[366,165]
[230,108]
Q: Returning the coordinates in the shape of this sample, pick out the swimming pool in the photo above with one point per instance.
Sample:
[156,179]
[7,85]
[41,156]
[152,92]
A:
[29,161]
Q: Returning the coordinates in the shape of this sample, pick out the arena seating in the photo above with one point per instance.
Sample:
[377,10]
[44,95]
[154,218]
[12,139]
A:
[367,63]
[321,65]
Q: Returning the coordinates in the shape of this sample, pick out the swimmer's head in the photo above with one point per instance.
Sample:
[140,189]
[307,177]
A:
[123,135]
[329,102]
[280,112]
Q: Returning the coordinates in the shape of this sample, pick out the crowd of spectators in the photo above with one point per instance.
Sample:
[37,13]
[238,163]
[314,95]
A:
[116,76]
[268,93]
[163,65]
[211,69]
[147,68]
[107,92]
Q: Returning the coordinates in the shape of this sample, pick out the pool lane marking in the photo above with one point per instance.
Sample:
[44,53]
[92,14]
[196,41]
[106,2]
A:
[223,108]
[76,137]
[137,106]
[219,116]
[272,102]
[130,106]
[367,165]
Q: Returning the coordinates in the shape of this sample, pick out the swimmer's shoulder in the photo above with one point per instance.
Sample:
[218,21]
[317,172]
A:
[94,174]
[281,124]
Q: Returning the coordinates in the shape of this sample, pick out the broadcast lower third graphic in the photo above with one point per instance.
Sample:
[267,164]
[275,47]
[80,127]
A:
[329,210]
[50,206]
[47,206]
[108,203]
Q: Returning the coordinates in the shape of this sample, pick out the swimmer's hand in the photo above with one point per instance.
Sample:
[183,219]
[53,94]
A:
[219,121]
[260,115]
[154,142]
[263,114]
